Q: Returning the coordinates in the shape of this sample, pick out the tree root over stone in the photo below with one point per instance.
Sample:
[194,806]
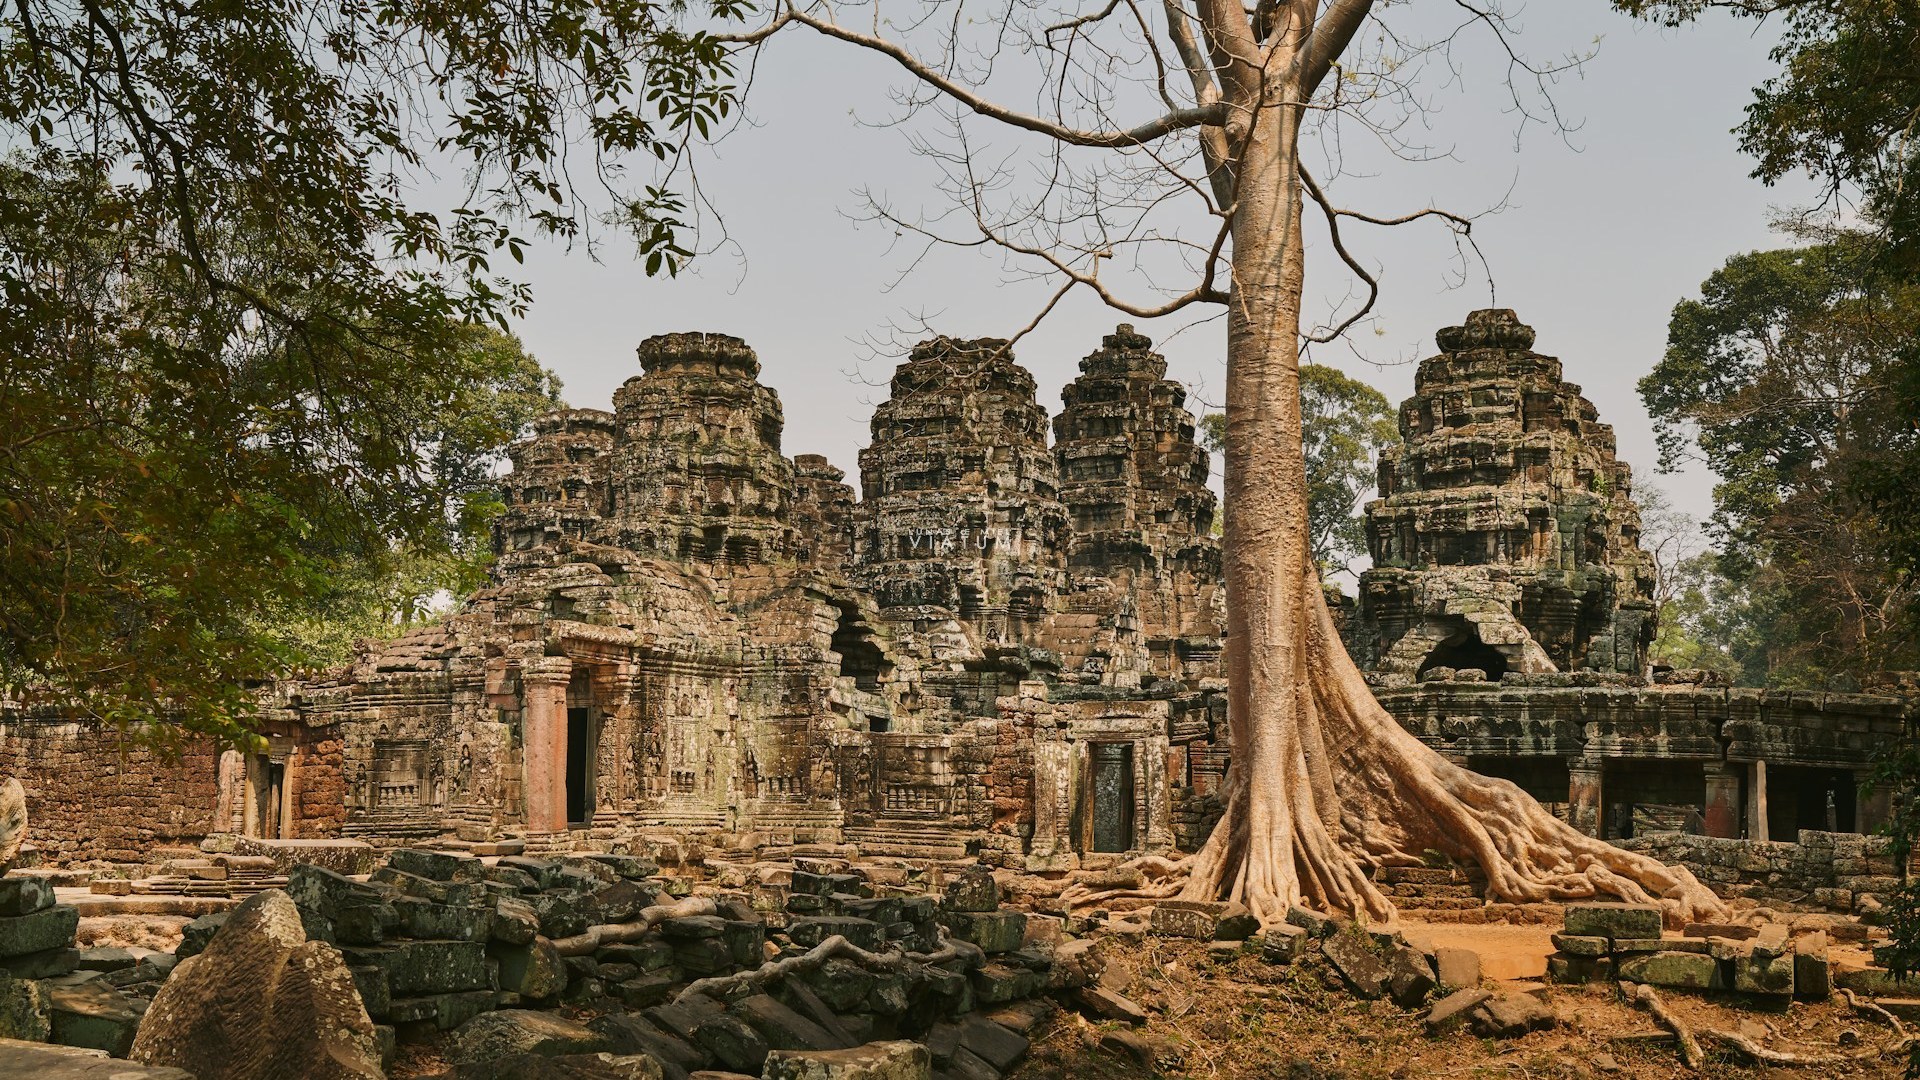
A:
[1328,787]
[598,937]
[720,986]
[1692,1055]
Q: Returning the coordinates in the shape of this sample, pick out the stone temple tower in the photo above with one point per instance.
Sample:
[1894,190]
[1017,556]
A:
[1135,485]
[961,510]
[697,473]
[1505,538]
[558,486]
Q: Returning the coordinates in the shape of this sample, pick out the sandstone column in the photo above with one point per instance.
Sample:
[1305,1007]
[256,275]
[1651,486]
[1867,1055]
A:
[1757,802]
[543,735]
[1723,800]
[1584,795]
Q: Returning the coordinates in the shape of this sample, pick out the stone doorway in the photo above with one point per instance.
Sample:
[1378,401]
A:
[267,810]
[580,754]
[1113,802]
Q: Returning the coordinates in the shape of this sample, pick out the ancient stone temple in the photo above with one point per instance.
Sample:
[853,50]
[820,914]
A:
[1505,537]
[691,638]
[1007,648]
[1508,613]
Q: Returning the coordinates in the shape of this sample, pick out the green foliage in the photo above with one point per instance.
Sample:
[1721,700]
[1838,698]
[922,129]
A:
[1772,377]
[238,391]
[1344,425]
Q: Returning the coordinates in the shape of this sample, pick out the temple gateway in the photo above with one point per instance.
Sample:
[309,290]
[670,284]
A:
[1007,647]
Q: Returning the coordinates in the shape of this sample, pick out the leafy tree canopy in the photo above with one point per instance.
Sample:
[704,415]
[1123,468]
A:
[1771,376]
[232,322]
[1344,424]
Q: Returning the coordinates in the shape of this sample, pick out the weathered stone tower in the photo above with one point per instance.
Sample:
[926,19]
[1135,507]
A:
[1505,538]
[699,476]
[1135,486]
[558,487]
[961,510]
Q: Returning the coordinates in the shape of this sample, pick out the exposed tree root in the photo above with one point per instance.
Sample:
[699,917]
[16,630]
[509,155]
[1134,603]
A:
[596,937]
[1314,808]
[1873,1009]
[1694,1058]
[720,986]
[1644,997]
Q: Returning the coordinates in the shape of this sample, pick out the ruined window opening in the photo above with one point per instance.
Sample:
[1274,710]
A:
[860,655]
[1797,799]
[1465,651]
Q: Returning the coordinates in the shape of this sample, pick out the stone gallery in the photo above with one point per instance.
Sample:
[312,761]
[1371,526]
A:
[1007,647]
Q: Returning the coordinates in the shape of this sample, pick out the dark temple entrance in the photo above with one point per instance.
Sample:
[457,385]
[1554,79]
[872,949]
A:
[1112,796]
[579,766]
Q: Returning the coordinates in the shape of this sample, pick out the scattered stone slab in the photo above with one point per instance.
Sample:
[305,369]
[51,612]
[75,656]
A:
[900,1060]
[1509,1016]
[732,1043]
[1204,920]
[1107,1005]
[92,1015]
[1578,945]
[974,890]
[21,1060]
[49,928]
[1451,1011]
[21,894]
[1812,973]
[1614,920]
[509,1032]
[1736,931]
[1688,971]
[1362,969]
[1410,977]
[992,1043]
[601,1066]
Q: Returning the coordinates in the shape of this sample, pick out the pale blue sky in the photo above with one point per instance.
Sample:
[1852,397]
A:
[1597,241]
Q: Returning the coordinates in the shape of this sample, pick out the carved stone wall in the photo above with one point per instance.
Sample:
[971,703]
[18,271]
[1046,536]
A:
[1505,537]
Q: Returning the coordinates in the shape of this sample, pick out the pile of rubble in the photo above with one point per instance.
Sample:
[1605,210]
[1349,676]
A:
[1607,942]
[51,991]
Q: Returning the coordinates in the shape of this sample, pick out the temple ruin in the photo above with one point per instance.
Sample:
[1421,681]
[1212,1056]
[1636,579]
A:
[1006,647]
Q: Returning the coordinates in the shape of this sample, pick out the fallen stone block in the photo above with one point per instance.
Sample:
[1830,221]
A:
[1687,971]
[1451,1011]
[732,1043]
[999,983]
[1313,922]
[629,1034]
[974,890]
[521,1031]
[535,971]
[809,931]
[1576,945]
[1576,970]
[1410,977]
[994,932]
[1362,969]
[1283,943]
[1204,920]
[43,1062]
[1759,973]
[565,1067]
[782,1027]
[1509,1016]
[993,1044]
[1107,1005]
[900,1060]
[1736,931]
[49,928]
[23,895]
[1812,973]
[1612,920]
[436,865]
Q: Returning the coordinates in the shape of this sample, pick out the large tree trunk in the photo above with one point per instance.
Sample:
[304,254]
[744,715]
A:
[1323,785]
